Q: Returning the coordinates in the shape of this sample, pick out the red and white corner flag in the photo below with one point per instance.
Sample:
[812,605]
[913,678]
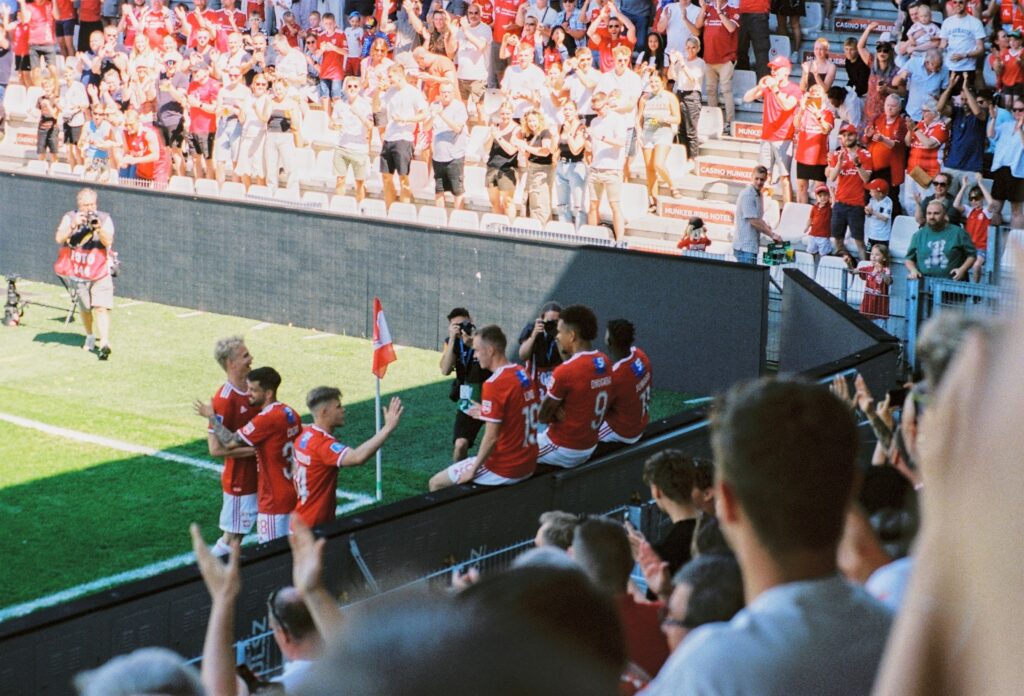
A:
[383,349]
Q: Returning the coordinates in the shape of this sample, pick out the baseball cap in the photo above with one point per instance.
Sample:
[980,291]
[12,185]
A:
[696,223]
[370,22]
[878,185]
[353,14]
[820,188]
[848,128]
[780,61]
[1015,33]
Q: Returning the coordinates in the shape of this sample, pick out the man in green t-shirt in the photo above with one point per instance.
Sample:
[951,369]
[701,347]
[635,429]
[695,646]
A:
[939,249]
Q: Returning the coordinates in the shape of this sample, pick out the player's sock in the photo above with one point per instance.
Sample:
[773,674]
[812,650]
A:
[90,343]
[220,548]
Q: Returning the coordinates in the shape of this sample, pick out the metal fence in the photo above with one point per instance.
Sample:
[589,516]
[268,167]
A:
[260,652]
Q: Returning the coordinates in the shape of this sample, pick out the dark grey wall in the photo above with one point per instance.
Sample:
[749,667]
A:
[818,328]
[321,271]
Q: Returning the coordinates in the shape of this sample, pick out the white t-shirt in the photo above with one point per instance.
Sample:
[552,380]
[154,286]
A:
[696,68]
[354,41]
[549,16]
[353,134]
[675,30]
[402,102]
[519,81]
[878,230]
[628,85]
[73,102]
[448,145]
[580,93]
[472,62]
[961,35]
[607,156]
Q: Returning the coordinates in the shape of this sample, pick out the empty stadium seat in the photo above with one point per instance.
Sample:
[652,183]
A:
[420,181]
[181,184]
[677,164]
[464,220]
[373,207]
[476,189]
[344,204]
[37,167]
[209,187]
[711,123]
[475,147]
[314,129]
[432,216]
[793,221]
[317,199]
[489,219]
[320,173]
[594,232]
[527,223]
[742,82]
[778,46]
[235,190]
[812,17]
[61,169]
[405,212]
[903,228]
[559,227]
[720,248]
[286,195]
[633,203]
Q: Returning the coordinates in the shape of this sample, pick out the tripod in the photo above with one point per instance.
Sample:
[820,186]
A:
[73,292]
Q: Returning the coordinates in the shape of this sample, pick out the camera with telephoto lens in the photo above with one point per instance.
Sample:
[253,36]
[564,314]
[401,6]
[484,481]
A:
[88,227]
[551,328]
[467,327]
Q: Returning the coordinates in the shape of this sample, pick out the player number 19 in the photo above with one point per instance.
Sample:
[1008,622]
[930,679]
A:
[530,414]
[600,406]
[645,400]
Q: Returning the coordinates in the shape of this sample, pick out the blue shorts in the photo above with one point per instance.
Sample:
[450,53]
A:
[844,216]
[331,89]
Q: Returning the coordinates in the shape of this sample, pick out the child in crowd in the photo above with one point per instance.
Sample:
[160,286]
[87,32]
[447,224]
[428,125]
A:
[695,237]
[878,213]
[877,278]
[978,217]
[291,29]
[819,225]
[22,60]
[354,36]
[46,132]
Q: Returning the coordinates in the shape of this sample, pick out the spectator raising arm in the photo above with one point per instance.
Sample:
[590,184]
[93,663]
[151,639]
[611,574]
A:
[223,581]
[307,576]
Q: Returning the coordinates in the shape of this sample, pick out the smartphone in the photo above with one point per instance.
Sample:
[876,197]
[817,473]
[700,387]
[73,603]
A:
[897,397]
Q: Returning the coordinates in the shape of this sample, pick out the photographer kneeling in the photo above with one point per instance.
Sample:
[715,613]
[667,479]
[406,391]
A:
[458,355]
[86,236]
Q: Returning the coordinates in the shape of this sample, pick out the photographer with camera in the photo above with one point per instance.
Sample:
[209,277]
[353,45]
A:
[88,263]
[538,347]
[458,355]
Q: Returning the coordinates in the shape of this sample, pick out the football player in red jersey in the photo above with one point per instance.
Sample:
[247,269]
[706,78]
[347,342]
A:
[629,399]
[578,396]
[318,455]
[272,433]
[231,408]
[509,407]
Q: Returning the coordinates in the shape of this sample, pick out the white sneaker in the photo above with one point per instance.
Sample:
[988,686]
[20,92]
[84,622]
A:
[90,343]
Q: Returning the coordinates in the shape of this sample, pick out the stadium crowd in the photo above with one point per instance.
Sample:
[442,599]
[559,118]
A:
[153,91]
[784,567]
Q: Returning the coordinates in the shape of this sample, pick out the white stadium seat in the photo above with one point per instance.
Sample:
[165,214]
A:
[594,232]
[315,199]
[711,123]
[287,195]
[742,82]
[181,184]
[559,227]
[208,187]
[344,204]
[432,216]
[373,207]
[234,190]
[402,212]
[464,220]
[489,219]
[793,221]
[903,228]
[526,223]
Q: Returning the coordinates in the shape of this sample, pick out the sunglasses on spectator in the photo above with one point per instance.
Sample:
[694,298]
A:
[531,24]
[941,183]
[1016,108]
[351,86]
[472,13]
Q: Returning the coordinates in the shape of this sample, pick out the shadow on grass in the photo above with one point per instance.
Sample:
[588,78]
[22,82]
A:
[71,337]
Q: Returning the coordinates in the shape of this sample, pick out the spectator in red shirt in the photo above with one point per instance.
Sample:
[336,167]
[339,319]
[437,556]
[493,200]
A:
[781,98]
[720,22]
[813,124]
[64,24]
[41,38]
[819,225]
[331,51]
[89,20]
[850,166]
[977,216]
[605,34]
[202,101]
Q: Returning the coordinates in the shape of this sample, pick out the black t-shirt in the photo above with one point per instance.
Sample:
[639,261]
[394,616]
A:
[467,367]
[537,141]
[545,354]
[857,74]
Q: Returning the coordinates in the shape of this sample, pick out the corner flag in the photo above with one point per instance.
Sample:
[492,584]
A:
[383,349]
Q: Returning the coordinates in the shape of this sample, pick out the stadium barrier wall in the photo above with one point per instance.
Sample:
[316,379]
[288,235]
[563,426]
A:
[321,270]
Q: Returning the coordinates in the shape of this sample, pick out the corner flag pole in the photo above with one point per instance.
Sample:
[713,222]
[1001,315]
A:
[383,354]
[376,410]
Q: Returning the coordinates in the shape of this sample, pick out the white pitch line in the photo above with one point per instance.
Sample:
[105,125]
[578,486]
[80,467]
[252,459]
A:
[317,336]
[130,303]
[186,315]
[110,443]
[259,327]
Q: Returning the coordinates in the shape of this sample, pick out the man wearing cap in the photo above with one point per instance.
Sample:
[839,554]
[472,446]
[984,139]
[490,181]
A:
[850,166]
[781,98]
[750,224]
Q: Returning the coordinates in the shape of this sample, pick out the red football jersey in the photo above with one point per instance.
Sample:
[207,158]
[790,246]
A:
[821,220]
[629,400]
[272,432]
[332,65]
[849,186]
[504,18]
[509,397]
[582,383]
[233,411]
[927,158]
[776,122]
[978,221]
[812,138]
[604,50]
[317,459]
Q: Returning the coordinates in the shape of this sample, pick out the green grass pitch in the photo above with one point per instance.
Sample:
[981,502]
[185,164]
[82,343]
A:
[74,512]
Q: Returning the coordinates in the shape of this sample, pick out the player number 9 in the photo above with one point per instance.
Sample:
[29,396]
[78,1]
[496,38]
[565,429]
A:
[600,406]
